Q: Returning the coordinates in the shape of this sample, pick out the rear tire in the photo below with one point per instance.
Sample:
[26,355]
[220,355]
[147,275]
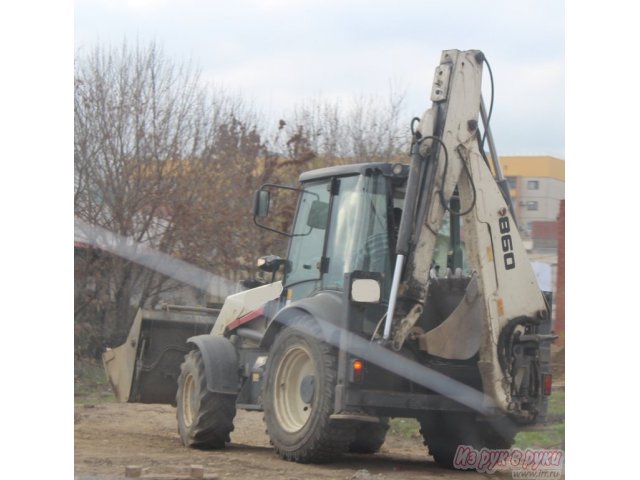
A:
[205,419]
[443,432]
[299,397]
[369,437]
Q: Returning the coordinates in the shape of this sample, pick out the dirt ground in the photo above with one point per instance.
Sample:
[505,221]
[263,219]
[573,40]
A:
[111,436]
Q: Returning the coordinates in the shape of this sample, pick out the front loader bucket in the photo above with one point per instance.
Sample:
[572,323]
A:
[145,368]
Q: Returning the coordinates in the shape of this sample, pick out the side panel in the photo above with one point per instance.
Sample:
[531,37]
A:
[235,306]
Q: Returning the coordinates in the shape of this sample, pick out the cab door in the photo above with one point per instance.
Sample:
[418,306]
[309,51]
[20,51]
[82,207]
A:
[307,261]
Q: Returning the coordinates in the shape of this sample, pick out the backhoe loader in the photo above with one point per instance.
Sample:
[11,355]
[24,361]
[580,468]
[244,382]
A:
[406,292]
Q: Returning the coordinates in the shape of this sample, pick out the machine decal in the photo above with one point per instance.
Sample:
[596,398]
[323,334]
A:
[507,244]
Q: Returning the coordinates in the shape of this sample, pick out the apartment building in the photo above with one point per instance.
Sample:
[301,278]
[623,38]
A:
[537,187]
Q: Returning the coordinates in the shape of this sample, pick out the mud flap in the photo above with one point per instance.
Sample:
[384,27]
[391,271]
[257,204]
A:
[220,363]
[145,368]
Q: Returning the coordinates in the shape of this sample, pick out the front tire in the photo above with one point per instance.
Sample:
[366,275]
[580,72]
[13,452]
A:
[205,419]
[299,397]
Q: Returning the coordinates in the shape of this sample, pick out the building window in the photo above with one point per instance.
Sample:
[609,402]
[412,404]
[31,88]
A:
[533,184]
[532,205]
[511,181]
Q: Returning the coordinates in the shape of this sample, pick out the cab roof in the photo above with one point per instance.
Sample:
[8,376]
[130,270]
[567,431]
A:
[345,170]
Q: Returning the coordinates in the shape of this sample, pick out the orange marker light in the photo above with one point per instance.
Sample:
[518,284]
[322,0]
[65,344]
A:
[358,367]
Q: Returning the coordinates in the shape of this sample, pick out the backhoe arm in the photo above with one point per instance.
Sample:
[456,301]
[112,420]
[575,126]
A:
[446,156]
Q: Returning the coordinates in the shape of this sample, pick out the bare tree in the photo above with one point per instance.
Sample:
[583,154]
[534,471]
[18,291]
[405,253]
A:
[364,129]
[163,160]
[376,131]
[142,123]
[168,163]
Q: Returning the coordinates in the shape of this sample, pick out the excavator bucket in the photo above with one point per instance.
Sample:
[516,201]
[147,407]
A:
[145,368]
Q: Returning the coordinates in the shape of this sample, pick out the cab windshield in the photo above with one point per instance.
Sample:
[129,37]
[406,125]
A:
[361,233]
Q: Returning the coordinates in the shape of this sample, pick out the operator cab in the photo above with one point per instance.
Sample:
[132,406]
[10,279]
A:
[347,219]
[345,222]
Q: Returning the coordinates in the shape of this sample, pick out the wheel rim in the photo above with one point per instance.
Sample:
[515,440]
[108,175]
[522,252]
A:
[187,400]
[290,408]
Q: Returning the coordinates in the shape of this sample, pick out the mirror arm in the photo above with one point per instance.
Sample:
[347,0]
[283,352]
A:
[285,187]
[255,220]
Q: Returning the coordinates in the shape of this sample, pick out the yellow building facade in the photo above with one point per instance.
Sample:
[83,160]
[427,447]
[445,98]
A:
[537,186]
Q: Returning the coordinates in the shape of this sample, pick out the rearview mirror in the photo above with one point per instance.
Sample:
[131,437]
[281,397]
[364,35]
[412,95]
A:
[261,200]
[284,199]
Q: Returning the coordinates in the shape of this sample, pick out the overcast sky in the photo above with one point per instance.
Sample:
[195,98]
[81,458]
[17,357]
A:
[278,53]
